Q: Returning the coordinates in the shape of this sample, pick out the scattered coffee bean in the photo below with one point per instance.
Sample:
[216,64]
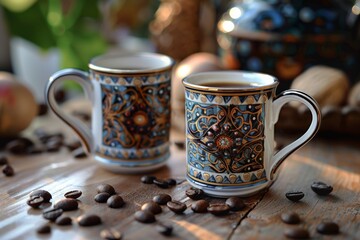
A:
[54,144]
[44,137]
[200,206]
[164,228]
[52,214]
[18,146]
[235,203]
[218,209]
[162,198]
[102,197]
[43,229]
[296,233]
[82,115]
[63,221]
[73,194]
[328,228]
[144,216]
[152,207]
[161,183]
[321,188]
[195,193]
[110,234]
[115,201]
[35,202]
[75,144]
[106,188]
[171,181]
[294,196]
[147,179]
[176,206]
[8,170]
[67,204]
[79,153]
[43,109]
[3,160]
[290,218]
[41,193]
[35,150]
[180,144]
[89,220]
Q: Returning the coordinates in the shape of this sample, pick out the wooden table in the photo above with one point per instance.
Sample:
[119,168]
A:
[334,161]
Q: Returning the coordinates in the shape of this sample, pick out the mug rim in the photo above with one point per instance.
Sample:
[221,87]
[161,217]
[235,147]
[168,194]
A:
[156,63]
[253,81]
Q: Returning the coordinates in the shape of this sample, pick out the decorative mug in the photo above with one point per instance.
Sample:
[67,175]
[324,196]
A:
[130,95]
[230,118]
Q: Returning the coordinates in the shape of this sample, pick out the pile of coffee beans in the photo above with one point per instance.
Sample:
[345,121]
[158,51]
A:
[161,183]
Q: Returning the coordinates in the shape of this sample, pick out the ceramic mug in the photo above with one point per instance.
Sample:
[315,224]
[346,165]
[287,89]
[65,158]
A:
[130,95]
[230,118]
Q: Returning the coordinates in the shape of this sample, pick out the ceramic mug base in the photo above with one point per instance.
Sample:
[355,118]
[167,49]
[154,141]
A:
[225,192]
[132,167]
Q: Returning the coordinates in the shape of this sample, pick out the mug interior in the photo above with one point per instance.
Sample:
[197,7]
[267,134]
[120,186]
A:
[131,63]
[230,81]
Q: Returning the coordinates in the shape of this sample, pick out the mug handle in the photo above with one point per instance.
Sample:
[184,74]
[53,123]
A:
[278,103]
[79,127]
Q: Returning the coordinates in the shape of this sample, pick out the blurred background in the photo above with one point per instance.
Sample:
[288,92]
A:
[313,46]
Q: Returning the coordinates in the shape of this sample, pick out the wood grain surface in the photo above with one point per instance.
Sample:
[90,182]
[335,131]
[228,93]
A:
[334,161]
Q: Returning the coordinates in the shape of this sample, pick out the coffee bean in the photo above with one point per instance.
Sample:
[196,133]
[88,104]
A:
[321,188]
[35,150]
[43,229]
[194,193]
[235,203]
[162,198]
[102,197]
[218,209]
[44,136]
[75,144]
[67,204]
[43,109]
[8,170]
[54,144]
[73,194]
[35,202]
[110,234]
[290,218]
[63,221]
[106,188]
[79,153]
[294,196]
[147,179]
[82,115]
[328,228]
[115,201]
[152,207]
[164,228]
[180,144]
[171,181]
[144,216]
[3,160]
[89,220]
[18,146]
[297,233]
[200,206]
[52,214]
[176,206]
[161,183]
[41,193]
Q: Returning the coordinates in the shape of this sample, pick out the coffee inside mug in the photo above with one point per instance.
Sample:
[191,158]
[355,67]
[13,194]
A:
[230,81]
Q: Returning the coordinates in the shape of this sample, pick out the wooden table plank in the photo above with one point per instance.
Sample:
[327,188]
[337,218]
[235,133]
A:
[336,162]
[332,161]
